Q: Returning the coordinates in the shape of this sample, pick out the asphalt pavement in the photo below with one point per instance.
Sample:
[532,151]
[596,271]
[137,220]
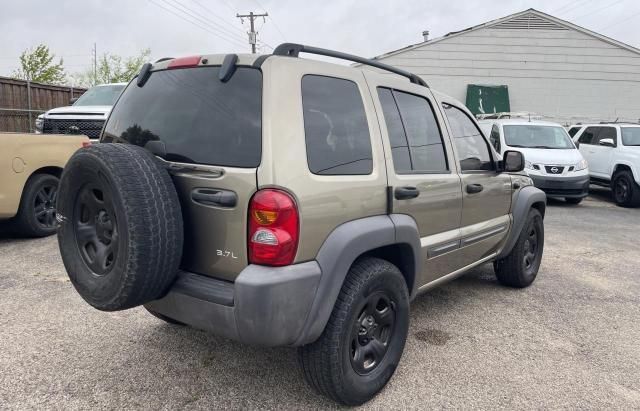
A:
[571,340]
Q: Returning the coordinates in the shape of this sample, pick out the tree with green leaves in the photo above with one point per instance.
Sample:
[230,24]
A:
[38,65]
[112,68]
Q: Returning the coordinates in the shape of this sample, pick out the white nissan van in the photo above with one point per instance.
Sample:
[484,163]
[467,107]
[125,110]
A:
[552,160]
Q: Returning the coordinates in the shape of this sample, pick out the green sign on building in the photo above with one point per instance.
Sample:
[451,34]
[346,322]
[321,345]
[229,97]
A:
[483,99]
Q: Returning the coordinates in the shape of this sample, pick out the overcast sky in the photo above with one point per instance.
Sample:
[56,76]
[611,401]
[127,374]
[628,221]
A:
[369,28]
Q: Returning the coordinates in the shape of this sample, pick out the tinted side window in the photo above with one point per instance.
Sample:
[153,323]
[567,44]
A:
[588,135]
[573,131]
[335,127]
[395,129]
[416,142]
[606,132]
[423,133]
[495,138]
[471,146]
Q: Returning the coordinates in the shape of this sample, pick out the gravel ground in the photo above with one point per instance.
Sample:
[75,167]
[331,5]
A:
[568,341]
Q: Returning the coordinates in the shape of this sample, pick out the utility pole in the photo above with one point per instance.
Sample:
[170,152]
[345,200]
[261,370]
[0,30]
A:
[253,36]
[95,64]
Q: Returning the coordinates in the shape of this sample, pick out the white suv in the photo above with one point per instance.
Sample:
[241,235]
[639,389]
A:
[552,160]
[613,153]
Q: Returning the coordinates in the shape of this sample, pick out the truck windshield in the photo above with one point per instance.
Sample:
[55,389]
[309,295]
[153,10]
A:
[199,118]
[630,136]
[100,95]
[537,136]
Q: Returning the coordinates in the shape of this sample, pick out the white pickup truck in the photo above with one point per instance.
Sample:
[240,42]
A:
[613,153]
[85,116]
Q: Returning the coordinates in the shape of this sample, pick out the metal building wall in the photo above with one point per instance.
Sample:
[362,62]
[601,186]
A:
[562,74]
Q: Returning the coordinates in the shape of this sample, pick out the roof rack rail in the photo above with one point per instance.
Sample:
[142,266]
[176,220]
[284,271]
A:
[293,49]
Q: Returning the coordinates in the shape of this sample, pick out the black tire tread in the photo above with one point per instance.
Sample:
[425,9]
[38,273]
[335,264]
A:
[508,269]
[153,222]
[320,360]
[634,200]
[23,222]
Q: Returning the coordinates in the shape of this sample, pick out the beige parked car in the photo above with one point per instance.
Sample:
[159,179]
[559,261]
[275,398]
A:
[30,169]
[283,201]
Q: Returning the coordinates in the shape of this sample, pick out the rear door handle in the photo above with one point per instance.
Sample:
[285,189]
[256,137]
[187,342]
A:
[214,197]
[474,188]
[406,193]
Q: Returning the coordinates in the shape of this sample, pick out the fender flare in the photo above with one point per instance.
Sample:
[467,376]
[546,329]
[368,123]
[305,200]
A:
[339,251]
[526,198]
[634,171]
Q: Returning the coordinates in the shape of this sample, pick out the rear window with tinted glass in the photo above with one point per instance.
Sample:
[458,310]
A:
[335,127]
[198,118]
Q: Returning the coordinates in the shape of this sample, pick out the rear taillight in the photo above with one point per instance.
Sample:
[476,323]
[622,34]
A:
[273,228]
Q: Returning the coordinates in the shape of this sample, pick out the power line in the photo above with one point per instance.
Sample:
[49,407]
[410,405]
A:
[599,9]
[266,44]
[197,21]
[253,36]
[619,21]
[214,14]
[186,10]
[229,6]
[570,6]
[197,24]
[272,20]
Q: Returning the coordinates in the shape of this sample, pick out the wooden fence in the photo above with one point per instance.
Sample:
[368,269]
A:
[22,101]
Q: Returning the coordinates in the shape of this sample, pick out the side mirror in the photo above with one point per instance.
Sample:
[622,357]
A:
[607,142]
[72,100]
[512,161]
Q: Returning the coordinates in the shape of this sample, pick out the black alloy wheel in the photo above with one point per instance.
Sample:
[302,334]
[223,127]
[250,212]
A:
[621,190]
[44,207]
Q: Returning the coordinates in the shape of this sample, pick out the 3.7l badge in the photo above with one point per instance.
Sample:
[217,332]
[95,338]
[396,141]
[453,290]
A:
[225,253]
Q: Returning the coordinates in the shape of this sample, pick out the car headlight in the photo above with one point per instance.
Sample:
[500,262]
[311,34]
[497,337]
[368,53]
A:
[529,165]
[39,123]
[582,165]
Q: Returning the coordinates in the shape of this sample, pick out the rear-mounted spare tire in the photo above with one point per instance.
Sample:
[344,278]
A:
[120,232]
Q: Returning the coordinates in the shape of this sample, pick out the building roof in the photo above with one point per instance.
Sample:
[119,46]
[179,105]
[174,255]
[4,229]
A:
[530,18]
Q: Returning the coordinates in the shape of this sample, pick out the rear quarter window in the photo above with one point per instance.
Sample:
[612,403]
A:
[573,131]
[335,127]
[589,135]
[198,118]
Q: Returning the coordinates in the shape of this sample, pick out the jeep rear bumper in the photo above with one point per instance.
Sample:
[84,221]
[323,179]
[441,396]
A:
[264,306]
